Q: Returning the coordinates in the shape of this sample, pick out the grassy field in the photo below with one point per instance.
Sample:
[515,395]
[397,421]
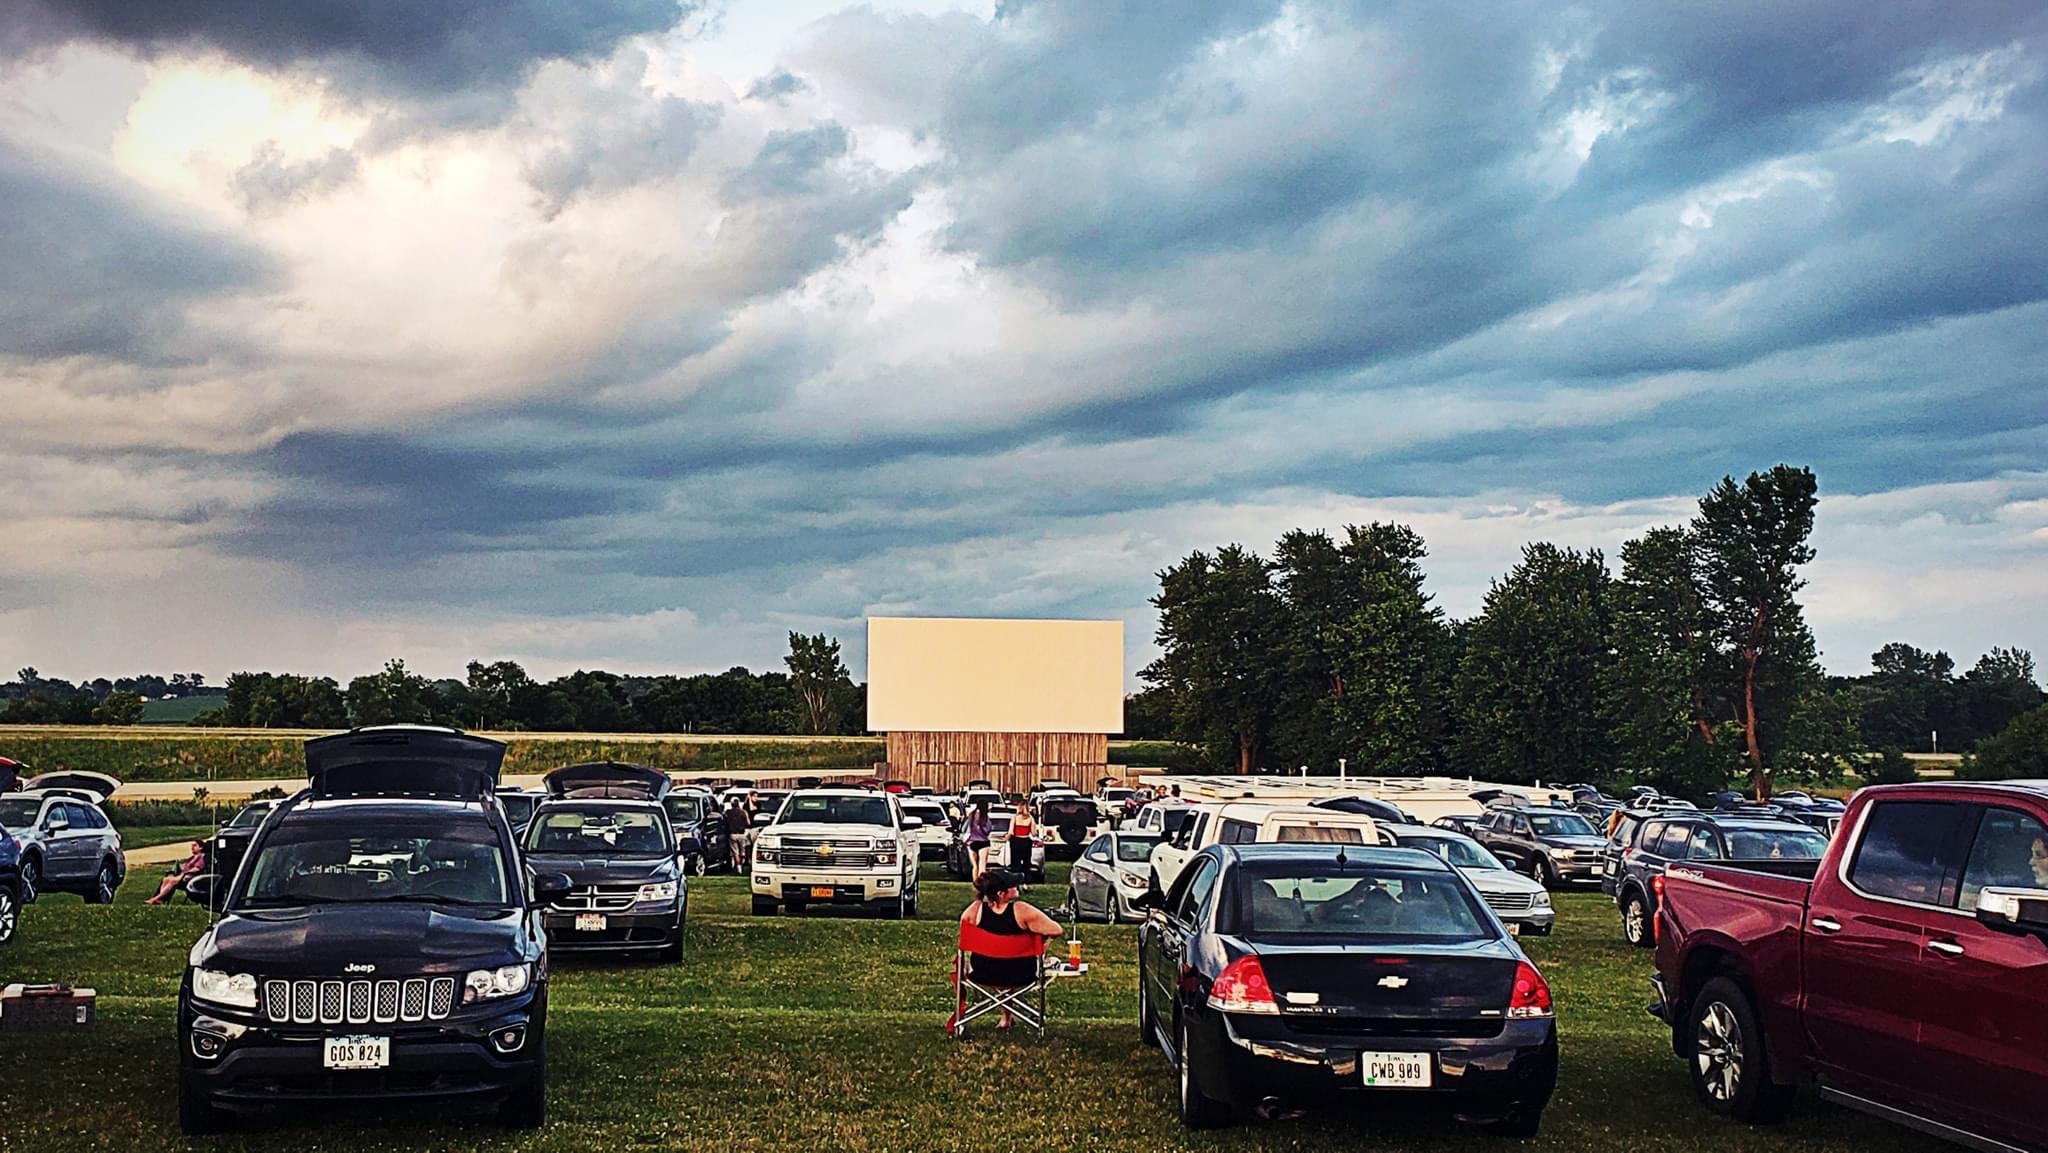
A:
[824,1032]
[178,710]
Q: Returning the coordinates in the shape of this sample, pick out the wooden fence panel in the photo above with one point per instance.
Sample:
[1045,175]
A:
[1012,762]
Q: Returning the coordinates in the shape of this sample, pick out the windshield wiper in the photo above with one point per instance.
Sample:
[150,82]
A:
[425,899]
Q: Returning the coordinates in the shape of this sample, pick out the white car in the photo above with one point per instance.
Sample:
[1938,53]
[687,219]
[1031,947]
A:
[937,832]
[1112,876]
[1521,902]
[837,847]
[1248,822]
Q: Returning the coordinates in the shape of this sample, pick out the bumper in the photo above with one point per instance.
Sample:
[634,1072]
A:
[1660,1004]
[1514,1071]
[621,932]
[1577,872]
[807,887]
[1535,921]
[261,1065]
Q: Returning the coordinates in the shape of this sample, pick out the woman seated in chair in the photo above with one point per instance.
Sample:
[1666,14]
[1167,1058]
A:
[998,910]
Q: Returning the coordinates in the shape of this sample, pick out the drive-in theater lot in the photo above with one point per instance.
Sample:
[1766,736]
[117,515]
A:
[824,1033]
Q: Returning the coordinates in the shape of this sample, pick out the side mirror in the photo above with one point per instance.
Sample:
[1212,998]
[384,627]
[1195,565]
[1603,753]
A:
[549,888]
[910,823]
[762,820]
[2012,910]
[200,889]
[1098,856]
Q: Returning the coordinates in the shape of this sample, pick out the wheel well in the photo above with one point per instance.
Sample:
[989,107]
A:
[1701,966]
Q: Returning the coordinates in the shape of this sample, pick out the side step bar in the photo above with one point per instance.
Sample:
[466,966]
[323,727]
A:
[1910,1120]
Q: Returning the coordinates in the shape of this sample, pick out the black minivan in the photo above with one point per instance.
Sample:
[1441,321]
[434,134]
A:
[376,944]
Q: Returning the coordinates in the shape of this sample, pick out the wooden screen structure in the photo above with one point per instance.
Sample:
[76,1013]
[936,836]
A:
[1012,762]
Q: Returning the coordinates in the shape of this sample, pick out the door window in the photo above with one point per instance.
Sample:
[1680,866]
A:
[1706,846]
[1237,832]
[1098,849]
[1653,832]
[1194,897]
[1911,851]
[2010,851]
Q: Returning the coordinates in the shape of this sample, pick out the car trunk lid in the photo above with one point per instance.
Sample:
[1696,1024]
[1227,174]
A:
[404,760]
[1404,983]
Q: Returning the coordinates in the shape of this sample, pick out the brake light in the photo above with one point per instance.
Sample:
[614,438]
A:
[1531,995]
[1657,884]
[1242,988]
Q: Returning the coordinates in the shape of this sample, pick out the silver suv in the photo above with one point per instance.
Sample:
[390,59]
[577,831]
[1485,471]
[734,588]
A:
[67,843]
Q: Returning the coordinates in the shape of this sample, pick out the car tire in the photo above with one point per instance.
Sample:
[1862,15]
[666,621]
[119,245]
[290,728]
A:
[698,867]
[31,878]
[1635,921]
[10,915]
[1074,903]
[1724,1048]
[892,909]
[795,908]
[103,886]
[765,907]
[1198,1110]
[1547,874]
[527,1107]
[198,1116]
[673,951]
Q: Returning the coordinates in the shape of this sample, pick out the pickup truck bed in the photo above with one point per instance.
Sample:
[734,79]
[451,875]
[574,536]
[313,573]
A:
[1872,975]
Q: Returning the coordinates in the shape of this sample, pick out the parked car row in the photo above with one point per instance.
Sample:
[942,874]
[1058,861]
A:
[54,838]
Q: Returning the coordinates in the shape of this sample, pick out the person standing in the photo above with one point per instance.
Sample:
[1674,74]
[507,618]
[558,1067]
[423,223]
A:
[1020,841]
[976,832]
[739,835]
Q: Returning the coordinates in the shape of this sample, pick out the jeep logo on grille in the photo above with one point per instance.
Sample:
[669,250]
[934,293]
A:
[359,968]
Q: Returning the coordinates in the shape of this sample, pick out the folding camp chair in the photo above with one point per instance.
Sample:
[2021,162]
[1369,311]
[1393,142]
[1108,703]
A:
[1025,1003]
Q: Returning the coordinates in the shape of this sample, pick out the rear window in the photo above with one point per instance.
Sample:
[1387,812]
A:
[1318,835]
[1067,812]
[1285,900]
[1774,844]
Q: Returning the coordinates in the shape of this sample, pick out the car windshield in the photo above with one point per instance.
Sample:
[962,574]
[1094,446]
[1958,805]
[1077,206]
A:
[1455,851]
[830,810]
[1560,825]
[18,814]
[1294,900]
[324,862]
[599,832]
[1135,848]
[1775,844]
[250,817]
[685,809]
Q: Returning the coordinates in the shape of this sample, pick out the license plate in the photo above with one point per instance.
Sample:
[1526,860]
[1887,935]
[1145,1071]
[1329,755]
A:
[355,1052]
[590,922]
[1599,868]
[1514,928]
[822,892]
[1397,1070]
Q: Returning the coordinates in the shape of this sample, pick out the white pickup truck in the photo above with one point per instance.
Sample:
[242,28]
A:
[1246,822]
[837,847]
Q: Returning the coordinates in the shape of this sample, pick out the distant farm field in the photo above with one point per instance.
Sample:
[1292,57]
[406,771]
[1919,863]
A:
[178,710]
[141,753]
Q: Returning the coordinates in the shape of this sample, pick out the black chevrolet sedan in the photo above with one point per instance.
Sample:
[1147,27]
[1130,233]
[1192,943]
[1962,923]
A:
[1279,975]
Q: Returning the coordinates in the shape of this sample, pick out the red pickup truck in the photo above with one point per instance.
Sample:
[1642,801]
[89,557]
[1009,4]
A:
[1905,973]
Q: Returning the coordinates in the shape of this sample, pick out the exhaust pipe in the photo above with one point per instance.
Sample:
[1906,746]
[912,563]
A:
[1274,1109]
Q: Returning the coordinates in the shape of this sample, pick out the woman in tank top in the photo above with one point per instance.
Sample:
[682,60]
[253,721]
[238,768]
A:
[999,911]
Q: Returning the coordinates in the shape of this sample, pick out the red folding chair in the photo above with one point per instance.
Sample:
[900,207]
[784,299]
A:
[976,998]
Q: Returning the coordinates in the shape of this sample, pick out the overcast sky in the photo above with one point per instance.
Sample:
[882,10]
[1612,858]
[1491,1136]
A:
[624,334]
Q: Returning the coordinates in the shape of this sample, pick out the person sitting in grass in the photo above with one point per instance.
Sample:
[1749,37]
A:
[998,909]
[184,871]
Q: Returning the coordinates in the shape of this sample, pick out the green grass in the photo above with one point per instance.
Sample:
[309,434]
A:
[824,1033]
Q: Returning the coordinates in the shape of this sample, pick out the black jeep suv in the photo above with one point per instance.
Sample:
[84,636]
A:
[376,943]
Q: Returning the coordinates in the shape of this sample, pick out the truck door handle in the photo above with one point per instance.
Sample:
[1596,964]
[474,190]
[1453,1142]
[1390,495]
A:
[1947,948]
[1827,924]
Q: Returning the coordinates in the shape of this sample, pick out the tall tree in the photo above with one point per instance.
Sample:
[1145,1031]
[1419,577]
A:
[1909,695]
[1998,688]
[820,679]
[1748,542]
[2018,750]
[1528,689]
[392,696]
[1222,631]
[490,692]
[1660,694]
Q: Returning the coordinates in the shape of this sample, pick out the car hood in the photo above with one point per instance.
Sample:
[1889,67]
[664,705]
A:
[826,829]
[1576,842]
[404,760]
[1501,881]
[603,870]
[324,938]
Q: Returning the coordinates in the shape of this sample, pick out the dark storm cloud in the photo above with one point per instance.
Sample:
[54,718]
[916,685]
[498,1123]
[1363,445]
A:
[417,46]
[89,268]
[789,163]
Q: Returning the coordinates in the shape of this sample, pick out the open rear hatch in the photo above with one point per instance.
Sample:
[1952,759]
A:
[608,780]
[404,760]
[97,787]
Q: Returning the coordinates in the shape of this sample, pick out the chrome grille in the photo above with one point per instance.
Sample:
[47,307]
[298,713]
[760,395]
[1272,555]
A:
[309,1002]
[609,898]
[1509,902]
[827,853]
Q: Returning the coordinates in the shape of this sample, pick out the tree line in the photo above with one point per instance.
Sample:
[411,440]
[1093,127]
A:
[1689,668]
[814,695]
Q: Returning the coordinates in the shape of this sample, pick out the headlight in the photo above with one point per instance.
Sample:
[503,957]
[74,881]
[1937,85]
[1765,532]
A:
[888,858]
[1556,851]
[1132,880]
[236,989]
[1540,900]
[485,984]
[658,891]
[767,841]
[764,856]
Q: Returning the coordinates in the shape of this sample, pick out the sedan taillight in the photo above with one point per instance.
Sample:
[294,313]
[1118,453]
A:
[1242,988]
[1531,995]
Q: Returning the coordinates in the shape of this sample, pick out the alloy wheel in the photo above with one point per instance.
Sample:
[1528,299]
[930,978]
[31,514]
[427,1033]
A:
[31,878]
[1718,1055]
[105,890]
[1632,921]
[9,916]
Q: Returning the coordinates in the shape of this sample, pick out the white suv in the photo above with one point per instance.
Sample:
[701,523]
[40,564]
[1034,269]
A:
[837,847]
[1239,823]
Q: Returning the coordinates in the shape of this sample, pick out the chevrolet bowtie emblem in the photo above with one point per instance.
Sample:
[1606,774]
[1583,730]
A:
[1392,982]
[824,850]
